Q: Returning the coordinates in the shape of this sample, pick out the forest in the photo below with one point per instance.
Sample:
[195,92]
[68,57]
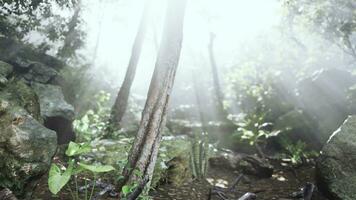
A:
[177,99]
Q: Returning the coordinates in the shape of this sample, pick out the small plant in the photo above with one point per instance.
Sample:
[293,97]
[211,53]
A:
[254,130]
[199,155]
[93,123]
[297,152]
[59,176]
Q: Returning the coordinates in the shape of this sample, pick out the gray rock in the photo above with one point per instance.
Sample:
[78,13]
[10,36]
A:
[248,164]
[58,115]
[336,167]
[52,102]
[5,69]
[26,147]
[40,73]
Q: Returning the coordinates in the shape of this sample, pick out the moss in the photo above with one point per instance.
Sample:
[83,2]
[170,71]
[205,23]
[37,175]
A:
[23,95]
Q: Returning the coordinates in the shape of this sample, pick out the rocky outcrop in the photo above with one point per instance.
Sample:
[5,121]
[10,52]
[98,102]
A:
[34,116]
[58,115]
[336,167]
[26,147]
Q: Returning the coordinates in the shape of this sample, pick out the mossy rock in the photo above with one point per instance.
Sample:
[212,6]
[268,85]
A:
[18,93]
[336,167]
[26,147]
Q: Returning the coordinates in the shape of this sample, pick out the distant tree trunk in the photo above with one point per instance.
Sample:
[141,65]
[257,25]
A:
[120,105]
[72,39]
[199,103]
[216,82]
[143,154]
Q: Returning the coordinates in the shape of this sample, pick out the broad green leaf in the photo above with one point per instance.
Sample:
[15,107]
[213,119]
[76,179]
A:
[57,180]
[126,190]
[77,149]
[97,168]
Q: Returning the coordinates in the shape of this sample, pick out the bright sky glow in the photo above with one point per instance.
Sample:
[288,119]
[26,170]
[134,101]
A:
[233,21]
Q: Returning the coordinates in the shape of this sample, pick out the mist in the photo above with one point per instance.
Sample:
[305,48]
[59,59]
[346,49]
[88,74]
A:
[177,99]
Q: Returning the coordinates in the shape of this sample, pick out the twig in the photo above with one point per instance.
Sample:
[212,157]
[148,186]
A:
[236,182]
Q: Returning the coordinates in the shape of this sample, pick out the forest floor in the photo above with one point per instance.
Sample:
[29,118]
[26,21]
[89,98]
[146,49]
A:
[280,186]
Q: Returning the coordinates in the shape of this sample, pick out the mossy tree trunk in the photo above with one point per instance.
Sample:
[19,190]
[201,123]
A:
[143,154]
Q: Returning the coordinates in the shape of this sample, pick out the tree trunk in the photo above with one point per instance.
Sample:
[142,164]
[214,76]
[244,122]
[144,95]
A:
[143,154]
[72,37]
[120,105]
[216,82]
[199,103]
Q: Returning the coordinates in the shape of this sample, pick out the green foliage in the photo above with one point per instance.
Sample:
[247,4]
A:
[297,152]
[93,124]
[18,18]
[75,149]
[334,20]
[199,155]
[58,178]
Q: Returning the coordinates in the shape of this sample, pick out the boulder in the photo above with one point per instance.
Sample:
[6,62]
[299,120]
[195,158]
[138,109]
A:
[22,95]
[58,115]
[336,166]
[323,97]
[22,55]
[247,164]
[40,73]
[26,147]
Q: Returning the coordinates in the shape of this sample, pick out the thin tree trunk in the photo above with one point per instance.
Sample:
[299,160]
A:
[216,82]
[143,154]
[120,105]
[199,103]
[69,41]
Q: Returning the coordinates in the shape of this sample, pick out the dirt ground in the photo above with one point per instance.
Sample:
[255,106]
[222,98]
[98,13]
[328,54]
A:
[280,186]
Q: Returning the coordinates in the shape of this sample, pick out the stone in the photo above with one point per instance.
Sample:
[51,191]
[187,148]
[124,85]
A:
[26,148]
[40,73]
[336,166]
[58,115]
[22,95]
[52,101]
[247,164]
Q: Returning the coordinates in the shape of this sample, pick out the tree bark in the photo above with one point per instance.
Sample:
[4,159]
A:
[143,154]
[216,82]
[121,102]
